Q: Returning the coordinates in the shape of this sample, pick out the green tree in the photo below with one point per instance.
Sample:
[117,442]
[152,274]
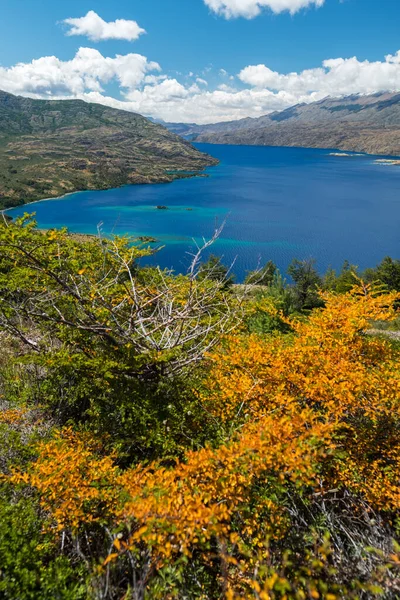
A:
[387,273]
[214,270]
[306,283]
[31,563]
[343,282]
[262,276]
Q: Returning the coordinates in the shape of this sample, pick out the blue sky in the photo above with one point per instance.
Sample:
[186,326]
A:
[200,60]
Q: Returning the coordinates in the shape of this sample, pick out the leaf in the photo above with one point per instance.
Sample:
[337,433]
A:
[110,558]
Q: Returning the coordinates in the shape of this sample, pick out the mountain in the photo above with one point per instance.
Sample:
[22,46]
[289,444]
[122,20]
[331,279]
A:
[192,131]
[356,123]
[52,147]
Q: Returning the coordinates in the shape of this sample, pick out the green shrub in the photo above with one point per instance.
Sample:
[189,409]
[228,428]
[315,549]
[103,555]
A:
[31,565]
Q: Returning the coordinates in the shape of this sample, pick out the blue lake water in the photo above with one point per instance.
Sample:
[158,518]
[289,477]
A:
[279,204]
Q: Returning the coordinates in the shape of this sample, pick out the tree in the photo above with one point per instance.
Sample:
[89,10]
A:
[344,282]
[156,449]
[214,270]
[387,272]
[306,283]
[263,276]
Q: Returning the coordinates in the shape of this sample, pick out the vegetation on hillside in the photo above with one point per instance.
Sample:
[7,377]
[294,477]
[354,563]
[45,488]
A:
[359,123]
[50,148]
[170,436]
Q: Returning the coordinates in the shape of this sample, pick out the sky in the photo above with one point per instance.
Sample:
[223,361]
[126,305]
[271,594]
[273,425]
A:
[199,61]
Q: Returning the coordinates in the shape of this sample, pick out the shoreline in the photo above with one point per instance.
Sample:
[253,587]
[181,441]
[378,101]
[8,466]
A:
[325,149]
[380,159]
[45,200]
[200,174]
[264,219]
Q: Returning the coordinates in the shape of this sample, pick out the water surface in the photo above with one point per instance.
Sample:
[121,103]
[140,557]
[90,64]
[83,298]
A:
[279,204]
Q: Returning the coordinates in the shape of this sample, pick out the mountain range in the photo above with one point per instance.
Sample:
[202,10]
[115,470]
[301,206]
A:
[49,148]
[356,123]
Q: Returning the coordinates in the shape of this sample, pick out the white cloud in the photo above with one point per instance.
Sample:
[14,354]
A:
[89,70]
[226,88]
[96,29]
[168,90]
[201,81]
[171,101]
[145,89]
[267,90]
[152,79]
[336,77]
[252,8]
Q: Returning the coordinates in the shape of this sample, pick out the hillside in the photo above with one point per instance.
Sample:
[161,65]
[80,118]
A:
[356,123]
[49,148]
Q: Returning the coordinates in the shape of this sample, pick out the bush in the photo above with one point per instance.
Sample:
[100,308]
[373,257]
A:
[32,565]
[156,443]
[113,346]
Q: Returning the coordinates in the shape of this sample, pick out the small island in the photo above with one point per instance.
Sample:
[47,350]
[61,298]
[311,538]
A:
[388,161]
[346,154]
[147,239]
[161,207]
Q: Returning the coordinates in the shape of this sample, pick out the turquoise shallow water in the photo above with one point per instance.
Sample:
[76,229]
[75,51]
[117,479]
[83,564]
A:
[279,204]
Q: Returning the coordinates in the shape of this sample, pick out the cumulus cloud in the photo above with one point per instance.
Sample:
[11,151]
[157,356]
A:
[145,89]
[89,70]
[171,101]
[226,88]
[336,77]
[252,8]
[168,90]
[152,79]
[96,29]
[266,90]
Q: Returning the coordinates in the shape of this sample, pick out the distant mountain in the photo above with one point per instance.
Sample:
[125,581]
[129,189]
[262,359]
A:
[356,123]
[49,148]
[192,131]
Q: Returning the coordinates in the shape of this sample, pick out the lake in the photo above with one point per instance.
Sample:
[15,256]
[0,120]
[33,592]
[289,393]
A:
[278,203]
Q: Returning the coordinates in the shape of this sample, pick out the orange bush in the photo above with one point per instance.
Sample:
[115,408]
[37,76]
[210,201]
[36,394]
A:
[319,407]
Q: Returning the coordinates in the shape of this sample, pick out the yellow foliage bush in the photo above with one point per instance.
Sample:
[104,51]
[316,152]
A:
[313,410]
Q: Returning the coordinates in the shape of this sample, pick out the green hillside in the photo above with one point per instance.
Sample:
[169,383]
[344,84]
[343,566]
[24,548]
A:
[50,148]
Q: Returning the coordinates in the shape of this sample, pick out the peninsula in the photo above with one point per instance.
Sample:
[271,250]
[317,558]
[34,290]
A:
[49,148]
